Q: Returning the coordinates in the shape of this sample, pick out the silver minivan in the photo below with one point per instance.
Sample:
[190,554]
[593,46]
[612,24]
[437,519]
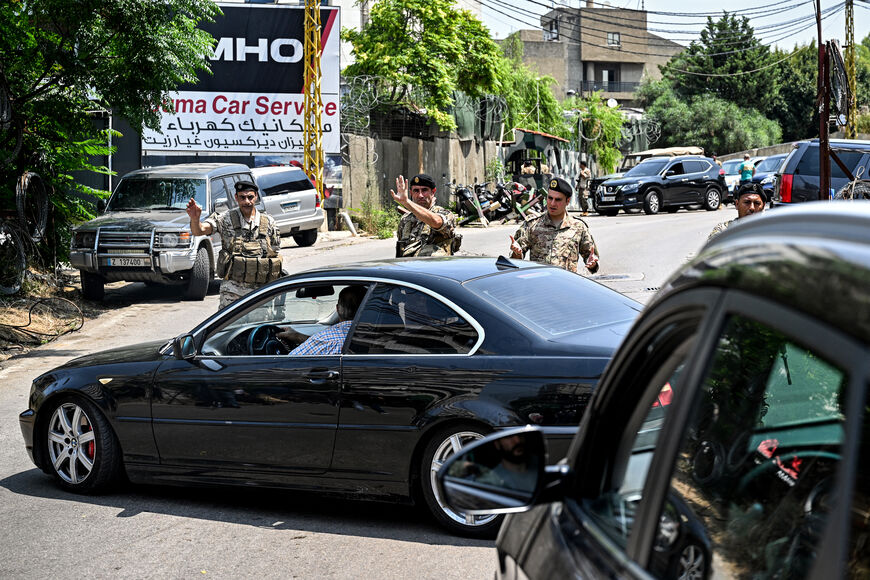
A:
[291,198]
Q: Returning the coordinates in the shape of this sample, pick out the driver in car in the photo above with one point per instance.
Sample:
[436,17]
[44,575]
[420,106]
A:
[330,340]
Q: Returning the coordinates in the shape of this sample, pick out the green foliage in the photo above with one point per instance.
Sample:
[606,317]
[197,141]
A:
[428,45]
[495,170]
[602,128]
[715,124]
[727,46]
[794,107]
[529,97]
[62,61]
[377,222]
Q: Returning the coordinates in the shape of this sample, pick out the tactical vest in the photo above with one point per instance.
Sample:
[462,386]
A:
[249,261]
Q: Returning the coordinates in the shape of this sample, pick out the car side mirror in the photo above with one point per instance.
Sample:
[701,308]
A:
[503,473]
[183,347]
[670,173]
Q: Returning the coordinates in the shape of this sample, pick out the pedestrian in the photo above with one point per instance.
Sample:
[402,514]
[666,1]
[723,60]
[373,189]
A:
[716,160]
[427,229]
[250,242]
[746,169]
[555,237]
[583,187]
[751,199]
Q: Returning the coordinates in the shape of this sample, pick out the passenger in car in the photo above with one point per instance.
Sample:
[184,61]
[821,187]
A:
[330,340]
[751,199]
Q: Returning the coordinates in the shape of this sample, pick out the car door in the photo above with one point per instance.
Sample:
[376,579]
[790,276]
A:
[408,350]
[696,184]
[674,184]
[230,409]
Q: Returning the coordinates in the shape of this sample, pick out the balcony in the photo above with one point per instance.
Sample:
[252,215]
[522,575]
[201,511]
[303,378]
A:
[608,87]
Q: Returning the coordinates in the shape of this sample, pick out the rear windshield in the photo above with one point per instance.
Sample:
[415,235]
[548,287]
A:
[284,182]
[554,302]
[149,193]
[647,168]
[769,165]
[730,167]
[809,163]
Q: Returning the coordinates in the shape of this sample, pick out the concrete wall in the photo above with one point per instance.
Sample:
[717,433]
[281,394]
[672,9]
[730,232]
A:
[595,23]
[555,58]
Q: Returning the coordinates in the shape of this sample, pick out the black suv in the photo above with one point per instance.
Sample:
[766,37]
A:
[798,179]
[667,183]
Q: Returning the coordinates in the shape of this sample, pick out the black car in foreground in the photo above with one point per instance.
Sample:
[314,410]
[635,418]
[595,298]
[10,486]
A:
[440,353]
[730,434]
[664,183]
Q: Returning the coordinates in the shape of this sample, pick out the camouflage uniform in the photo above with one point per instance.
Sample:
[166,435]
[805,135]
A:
[232,290]
[419,239]
[562,246]
[719,229]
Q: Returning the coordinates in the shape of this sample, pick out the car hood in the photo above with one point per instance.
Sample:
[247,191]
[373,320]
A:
[610,176]
[137,221]
[142,352]
[619,182]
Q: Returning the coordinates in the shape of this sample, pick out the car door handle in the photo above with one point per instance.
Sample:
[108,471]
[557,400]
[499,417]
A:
[685,179]
[319,377]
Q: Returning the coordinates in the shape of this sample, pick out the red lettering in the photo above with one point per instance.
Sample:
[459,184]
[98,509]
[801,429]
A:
[330,109]
[262,105]
[278,108]
[218,102]
[300,107]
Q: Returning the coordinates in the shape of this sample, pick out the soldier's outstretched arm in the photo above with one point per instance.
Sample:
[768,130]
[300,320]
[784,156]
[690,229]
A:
[194,212]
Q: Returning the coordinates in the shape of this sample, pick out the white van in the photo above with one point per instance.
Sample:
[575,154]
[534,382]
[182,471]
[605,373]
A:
[291,198]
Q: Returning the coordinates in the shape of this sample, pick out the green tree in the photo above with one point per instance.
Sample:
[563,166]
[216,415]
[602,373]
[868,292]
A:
[601,126]
[794,107]
[715,124]
[727,62]
[64,60]
[426,45]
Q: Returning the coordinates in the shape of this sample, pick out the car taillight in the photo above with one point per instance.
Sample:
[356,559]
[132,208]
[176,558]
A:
[785,188]
[316,200]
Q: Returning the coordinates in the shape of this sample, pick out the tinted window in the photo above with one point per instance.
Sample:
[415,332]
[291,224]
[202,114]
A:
[677,169]
[769,165]
[809,163]
[647,168]
[696,166]
[756,469]
[544,299]
[400,320]
[143,192]
[284,182]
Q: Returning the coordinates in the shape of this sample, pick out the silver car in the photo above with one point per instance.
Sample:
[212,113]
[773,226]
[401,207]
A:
[291,198]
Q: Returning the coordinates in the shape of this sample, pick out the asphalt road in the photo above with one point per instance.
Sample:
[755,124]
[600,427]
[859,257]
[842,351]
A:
[155,532]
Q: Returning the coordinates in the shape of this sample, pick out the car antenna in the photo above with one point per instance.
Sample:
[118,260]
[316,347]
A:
[503,263]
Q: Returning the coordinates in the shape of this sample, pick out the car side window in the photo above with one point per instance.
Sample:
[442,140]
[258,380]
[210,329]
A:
[401,320]
[676,169]
[696,166]
[756,467]
[219,195]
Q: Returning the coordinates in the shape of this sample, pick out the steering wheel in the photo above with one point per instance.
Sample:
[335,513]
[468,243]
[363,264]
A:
[262,340]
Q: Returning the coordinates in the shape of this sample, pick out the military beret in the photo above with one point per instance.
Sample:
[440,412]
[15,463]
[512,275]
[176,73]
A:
[749,188]
[562,186]
[422,180]
[245,186]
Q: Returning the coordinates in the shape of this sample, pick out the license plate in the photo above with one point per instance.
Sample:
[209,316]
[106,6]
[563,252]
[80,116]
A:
[608,198]
[290,206]
[128,262]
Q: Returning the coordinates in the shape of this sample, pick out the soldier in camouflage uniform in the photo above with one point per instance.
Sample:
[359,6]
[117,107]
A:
[427,229]
[556,238]
[250,242]
[751,199]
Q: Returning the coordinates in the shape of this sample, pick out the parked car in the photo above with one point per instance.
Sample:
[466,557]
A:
[798,179]
[292,199]
[731,169]
[733,415]
[632,159]
[144,232]
[441,352]
[765,172]
[667,183]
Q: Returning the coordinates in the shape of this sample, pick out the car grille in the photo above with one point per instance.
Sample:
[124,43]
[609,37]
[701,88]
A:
[127,243]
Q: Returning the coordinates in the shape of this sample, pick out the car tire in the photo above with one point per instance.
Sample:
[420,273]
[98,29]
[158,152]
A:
[93,286]
[441,445]
[306,238]
[652,202]
[712,199]
[83,454]
[690,562]
[200,276]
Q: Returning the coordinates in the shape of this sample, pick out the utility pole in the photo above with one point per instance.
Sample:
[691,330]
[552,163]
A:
[823,102]
[852,121]
[313,162]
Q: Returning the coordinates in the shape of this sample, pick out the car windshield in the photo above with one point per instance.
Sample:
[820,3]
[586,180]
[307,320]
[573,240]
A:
[148,192]
[540,299]
[769,165]
[645,168]
[730,167]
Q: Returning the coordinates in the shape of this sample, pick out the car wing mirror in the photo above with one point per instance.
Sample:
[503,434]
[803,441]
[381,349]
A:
[503,473]
[670,173]
[183,347]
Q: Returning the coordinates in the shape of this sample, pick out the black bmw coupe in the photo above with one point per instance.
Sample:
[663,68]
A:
[439,353]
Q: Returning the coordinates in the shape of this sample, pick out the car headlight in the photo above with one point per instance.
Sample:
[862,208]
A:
[84,240]
[601,189]
[174,240]
[630,187]
[768,180]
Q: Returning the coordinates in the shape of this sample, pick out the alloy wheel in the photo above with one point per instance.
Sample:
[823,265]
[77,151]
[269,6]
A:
[691,563]
[71,445]
[445,450]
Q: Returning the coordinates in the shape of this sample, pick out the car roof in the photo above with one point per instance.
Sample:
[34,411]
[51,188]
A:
[813,257]
[204,170]
[275,169]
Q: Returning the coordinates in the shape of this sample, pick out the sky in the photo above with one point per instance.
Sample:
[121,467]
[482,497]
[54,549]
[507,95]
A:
[769,20]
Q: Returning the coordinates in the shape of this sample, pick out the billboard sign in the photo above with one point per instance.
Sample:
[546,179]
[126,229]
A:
[254,101]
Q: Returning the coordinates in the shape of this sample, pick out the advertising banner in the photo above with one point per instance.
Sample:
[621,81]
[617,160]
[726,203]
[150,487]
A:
[253,102]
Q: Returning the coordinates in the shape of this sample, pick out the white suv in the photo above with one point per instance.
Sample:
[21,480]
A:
[290,198]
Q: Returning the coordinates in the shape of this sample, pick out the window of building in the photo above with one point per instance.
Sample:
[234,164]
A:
[552,30]
[613,39]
